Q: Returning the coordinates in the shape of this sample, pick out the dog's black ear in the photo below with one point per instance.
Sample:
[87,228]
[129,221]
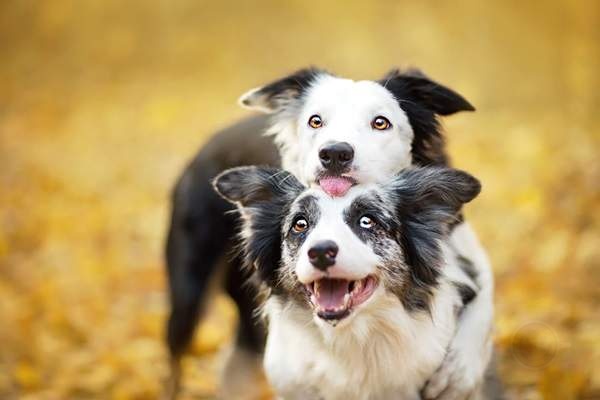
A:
[413,85]
[427,202]
[247,186]
[280,93]
[439,192]
[263,195]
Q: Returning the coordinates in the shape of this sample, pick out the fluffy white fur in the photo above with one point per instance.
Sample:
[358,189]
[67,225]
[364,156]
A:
[471,348]
[382,352]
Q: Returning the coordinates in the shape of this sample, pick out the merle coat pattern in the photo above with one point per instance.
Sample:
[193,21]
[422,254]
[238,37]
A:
[410,217]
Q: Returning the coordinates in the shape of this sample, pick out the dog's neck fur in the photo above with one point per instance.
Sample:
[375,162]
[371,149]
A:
[383,352]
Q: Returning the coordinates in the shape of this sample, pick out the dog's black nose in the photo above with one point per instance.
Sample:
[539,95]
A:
[322,254]
[336,157]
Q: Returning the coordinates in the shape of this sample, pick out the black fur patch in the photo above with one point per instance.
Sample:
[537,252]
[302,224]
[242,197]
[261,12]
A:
[266,195]
[427,201]
[281,92]
[422,254]
[468,268]
[422,99]
[466,292]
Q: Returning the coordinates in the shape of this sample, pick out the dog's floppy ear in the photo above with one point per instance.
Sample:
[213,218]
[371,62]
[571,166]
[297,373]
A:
[247,186]
[427,202]
[276,95]
[437,191]
[263,195]
[413,85]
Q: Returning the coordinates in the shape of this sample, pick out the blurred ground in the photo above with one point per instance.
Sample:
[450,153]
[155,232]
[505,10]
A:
[102,103]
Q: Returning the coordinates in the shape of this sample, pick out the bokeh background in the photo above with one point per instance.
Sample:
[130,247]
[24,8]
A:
[103,102]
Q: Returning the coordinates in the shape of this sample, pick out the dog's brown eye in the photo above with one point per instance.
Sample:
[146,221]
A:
[300,225]
[380,123]
[315,122]
[366,222]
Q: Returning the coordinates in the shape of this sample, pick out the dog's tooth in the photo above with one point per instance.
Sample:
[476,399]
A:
[346,300]
[357,286]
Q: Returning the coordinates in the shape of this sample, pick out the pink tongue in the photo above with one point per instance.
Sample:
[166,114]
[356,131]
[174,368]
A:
[335,186]
[330,293]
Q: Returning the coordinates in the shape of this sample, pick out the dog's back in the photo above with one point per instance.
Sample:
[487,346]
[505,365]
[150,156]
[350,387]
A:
[200,238]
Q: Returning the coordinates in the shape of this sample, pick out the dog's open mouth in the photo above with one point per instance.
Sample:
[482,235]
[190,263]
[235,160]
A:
[336,186]
[334,299]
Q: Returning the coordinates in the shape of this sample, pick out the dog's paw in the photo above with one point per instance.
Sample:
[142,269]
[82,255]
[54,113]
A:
[454,380]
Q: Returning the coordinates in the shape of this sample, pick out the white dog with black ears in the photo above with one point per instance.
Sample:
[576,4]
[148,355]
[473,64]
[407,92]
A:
[362,291]
[337,133]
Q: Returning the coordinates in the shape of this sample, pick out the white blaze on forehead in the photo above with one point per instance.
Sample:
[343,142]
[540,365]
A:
[347,109]
[355,259]
[334,98]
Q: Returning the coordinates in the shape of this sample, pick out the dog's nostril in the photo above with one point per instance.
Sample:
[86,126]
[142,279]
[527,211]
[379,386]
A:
[345,156]
[324,155]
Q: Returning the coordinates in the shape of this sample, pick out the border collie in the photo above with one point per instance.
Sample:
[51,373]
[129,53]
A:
[362,292]
[334,133]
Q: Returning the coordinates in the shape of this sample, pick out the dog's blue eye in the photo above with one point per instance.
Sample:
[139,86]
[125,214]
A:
[366,222]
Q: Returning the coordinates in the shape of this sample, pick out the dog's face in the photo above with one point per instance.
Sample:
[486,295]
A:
[351,132]
[336,132]
[333,255]
[336,251]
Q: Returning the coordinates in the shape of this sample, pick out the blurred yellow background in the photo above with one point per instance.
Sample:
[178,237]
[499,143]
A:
[103,102]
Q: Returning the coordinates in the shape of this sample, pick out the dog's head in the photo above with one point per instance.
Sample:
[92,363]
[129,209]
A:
[337,132]
[332,255]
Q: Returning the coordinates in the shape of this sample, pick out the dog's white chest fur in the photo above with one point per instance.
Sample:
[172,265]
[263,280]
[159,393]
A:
[381,353]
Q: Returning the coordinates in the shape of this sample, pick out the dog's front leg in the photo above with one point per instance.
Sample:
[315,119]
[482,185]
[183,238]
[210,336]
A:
[462,371]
